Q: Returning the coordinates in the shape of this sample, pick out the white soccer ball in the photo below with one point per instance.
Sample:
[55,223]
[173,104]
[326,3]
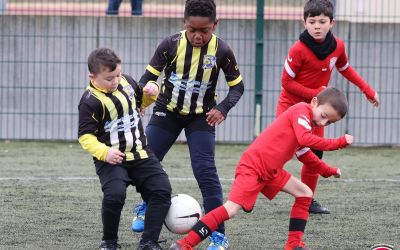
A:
[183,214]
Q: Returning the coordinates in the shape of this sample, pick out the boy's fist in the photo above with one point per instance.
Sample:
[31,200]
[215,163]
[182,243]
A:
[349,139]
[338,173]
[151,88]
[375,101]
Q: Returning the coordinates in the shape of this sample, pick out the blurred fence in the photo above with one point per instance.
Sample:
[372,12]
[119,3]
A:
[44,46]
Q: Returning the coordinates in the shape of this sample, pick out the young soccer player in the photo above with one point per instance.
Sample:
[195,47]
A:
[260,168]
[111,130]
[191,61]
[307,71]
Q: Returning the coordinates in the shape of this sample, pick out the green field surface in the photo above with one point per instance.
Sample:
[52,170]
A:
[50,199]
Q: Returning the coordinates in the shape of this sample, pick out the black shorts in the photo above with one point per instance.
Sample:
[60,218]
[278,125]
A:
[147,175]
[175,122]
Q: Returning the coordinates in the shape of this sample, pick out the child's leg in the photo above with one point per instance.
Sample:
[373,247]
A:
[114,180]
[209,222]
[153,184]
[299,213]
[308,175]
[202,155]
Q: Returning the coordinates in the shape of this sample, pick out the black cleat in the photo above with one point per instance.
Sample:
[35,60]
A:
[109,245]
[148,245]
[317,208]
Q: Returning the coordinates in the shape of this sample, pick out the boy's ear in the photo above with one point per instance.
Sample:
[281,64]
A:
[314,102]
[91,76]
[333,22]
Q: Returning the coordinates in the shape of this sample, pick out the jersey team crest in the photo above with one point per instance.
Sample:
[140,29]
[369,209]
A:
[129,91]
[209,61]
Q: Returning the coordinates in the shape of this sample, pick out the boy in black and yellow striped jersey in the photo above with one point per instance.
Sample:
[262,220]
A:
[110,129]
[191,60]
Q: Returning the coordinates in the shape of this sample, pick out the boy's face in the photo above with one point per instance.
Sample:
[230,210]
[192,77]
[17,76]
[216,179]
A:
[318,26]
[107,80]
[324,114]
[199,30]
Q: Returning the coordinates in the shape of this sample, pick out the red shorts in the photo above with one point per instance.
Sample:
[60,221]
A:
[248,184]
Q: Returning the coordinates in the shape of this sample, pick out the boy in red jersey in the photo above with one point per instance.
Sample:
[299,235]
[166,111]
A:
[307,71]
[260,168]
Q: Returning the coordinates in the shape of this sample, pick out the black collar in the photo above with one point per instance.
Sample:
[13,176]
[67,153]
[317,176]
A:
[321,50]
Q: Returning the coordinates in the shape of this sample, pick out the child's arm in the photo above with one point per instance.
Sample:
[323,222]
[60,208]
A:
[301,122]
[99,150]
[310,160]
[150,93]
[219,113]
[351,74]
[344,68]
[88,122]
[236,88]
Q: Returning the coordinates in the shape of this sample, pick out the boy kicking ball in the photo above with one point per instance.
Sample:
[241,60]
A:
[260,168]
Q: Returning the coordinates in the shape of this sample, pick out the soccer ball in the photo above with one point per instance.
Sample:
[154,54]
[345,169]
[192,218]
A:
[183,214]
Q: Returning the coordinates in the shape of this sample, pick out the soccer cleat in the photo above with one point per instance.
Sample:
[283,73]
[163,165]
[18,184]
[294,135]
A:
[180,245]
[301,246]
[317,208]
[109,245]
[218,241]
[138,220]
[148,245]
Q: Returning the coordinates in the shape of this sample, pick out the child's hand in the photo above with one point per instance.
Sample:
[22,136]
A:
[338,173]
[114,156]
[151,88]
[375,101]
[349,139]
[214,117]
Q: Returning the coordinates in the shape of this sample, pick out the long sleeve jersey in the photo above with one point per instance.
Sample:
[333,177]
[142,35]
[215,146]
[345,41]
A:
[113,120]
[278,143]
[304,75]
[191,75]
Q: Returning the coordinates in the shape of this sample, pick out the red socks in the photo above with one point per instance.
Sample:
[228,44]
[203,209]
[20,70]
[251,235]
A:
[309,177]
[208,224]
[298,220]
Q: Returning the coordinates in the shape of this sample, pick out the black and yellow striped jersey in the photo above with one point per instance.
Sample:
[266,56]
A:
[191,73]
[113,120]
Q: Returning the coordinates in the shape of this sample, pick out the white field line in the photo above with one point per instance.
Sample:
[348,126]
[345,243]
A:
[187,179]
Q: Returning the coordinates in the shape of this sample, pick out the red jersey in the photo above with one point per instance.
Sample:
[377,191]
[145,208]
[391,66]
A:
[278,143]
[304,75]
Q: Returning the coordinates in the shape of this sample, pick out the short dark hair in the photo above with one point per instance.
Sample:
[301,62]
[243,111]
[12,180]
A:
[317,7]
[335,98]
[102,58]
[204,8]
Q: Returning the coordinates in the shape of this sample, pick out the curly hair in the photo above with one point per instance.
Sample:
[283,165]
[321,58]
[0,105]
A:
[204,8]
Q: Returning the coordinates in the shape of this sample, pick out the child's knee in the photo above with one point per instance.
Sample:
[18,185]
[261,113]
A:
[307,192]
